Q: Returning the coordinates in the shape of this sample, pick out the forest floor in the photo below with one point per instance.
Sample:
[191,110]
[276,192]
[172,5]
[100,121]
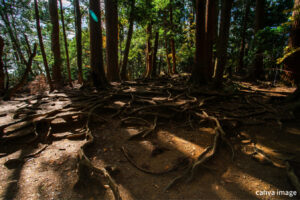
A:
[156,139]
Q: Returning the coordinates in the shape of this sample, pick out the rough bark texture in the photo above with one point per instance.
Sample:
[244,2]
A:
[292,62]
[78,39]
[65,41]
[111,19]
[259,24]
[154,68]
[42,48]
[199,68]
[96,58]
[211,23]
[124,76]
[2,76]
[223,40]
[243,36]
[148,51]
[55,46]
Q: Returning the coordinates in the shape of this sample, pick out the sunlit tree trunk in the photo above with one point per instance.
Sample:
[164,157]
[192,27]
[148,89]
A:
[96,58]
[199,68]
[259,24]
[154,63]
[243,37]
[42,48]
[65,41]
[222,43]
[128,42]
[55,46]
[78,39]
[111,19]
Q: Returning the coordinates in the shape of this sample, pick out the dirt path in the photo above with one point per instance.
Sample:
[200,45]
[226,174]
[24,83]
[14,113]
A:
[147,134]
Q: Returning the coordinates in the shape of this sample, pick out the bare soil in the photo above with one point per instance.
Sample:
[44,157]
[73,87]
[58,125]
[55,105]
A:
[263,130]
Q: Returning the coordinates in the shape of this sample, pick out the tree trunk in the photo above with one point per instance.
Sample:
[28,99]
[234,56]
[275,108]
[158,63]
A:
[78,39]
[149,51]
[111,19]
[96,58]
[259,24]
[66,42]
[153,73]
[172,42]
[13,90]
[128,42]
[211,23]
[42,48]
[2,76]
[223,41]
[55,46]
[199,68]
[243,37]
[292,62]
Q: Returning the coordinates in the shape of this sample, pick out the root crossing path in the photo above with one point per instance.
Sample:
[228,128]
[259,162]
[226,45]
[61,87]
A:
[151,139]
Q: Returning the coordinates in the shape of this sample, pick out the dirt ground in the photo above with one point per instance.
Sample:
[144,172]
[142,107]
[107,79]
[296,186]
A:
[263,132]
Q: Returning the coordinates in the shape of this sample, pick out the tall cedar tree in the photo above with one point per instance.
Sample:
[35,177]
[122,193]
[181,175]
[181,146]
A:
[148,50]
[78,39]
[172,42]
[259,25]
[292,62]
[199,71]
[222,43]
[210,28]
[167,53]
[243,36]
[65,41]
[96,58]
[1,66]
[55,46]
[154,63]
[42,48]
[111,19]
[124,76]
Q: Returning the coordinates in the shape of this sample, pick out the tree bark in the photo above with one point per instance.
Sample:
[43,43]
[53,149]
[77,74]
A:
[96,58]
[2,75]
[199,69]
[78,39]
[128,42]
[55,46]
[154,73]
[211,23]
[222,43]
[13,90]
[259,24]
[292,62]
[172,42]
[149,51]
[42,48]
[65,41]
[243,37]
[111,19]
